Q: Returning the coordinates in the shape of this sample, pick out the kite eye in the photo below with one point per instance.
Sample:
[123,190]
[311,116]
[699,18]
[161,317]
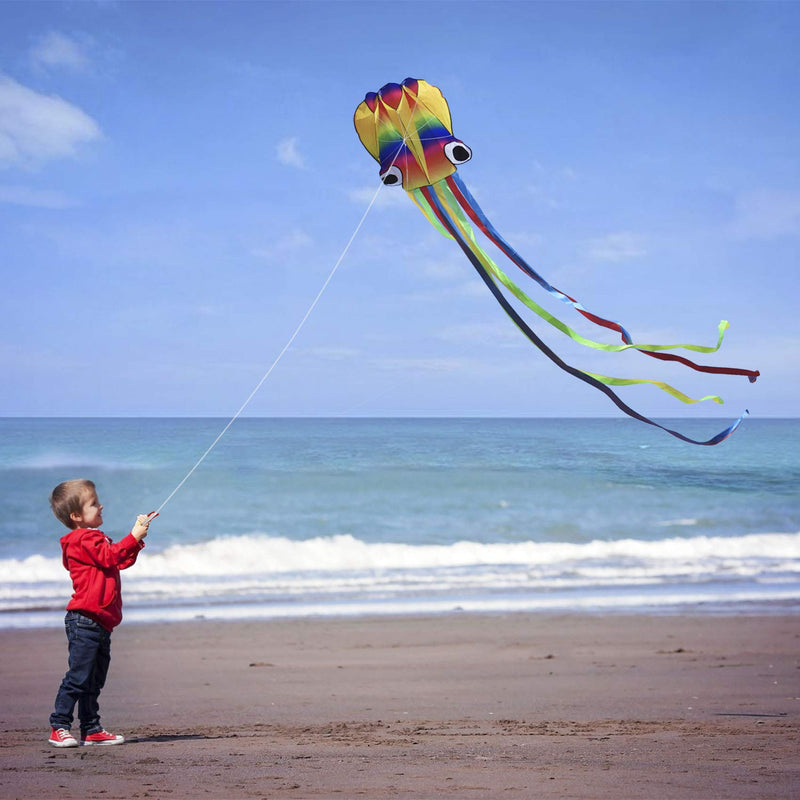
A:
[392,176]
[457,152]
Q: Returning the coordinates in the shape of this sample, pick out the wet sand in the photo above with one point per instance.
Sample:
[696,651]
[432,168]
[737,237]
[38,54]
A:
[461,706]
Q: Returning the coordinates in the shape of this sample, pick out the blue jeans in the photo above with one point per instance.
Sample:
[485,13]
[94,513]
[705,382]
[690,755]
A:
[89,657]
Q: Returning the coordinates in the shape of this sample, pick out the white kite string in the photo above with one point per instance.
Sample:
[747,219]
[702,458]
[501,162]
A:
[296,332]
[280,355]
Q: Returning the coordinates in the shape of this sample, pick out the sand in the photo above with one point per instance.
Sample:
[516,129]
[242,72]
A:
[461,706]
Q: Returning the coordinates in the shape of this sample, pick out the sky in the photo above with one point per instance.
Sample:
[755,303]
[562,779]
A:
[179,180]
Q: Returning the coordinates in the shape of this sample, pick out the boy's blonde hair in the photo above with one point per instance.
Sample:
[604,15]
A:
[67,498]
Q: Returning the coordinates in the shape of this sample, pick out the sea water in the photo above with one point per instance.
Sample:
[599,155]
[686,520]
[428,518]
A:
[293,517]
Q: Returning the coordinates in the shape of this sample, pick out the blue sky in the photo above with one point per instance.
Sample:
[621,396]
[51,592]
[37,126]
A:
[177,181]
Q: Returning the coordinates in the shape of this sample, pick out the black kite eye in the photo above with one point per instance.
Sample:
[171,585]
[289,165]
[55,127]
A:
[457,152]
[392,176]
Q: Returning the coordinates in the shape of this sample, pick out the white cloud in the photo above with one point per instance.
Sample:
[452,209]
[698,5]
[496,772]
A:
[293,241]
[524,240]
[387,197]
[35,127]
[767,214]
[446,269]
[616,247]
[492,333]
[36,198]
[548,184]
[332,353]
[420,364]
[55,50]
[542,194]
[471,288]
[289,154]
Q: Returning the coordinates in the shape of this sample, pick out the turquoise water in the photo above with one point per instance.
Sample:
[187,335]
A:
[324,516]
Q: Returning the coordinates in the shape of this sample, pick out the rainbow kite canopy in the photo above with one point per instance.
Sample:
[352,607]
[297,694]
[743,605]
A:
[406,128]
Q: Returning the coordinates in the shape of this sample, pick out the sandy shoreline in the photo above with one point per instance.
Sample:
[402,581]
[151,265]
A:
[487,706]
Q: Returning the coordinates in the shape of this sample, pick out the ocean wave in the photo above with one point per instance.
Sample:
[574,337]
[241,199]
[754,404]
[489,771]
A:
[228,557]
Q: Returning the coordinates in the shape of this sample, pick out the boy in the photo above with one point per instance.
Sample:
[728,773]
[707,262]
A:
[95,609]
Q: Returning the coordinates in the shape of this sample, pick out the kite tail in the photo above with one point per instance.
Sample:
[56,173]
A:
[466,201]
[458,220]
[457,216]
[450,227]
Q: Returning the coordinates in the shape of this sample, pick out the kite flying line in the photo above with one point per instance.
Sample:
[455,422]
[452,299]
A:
[288,344]
[275,362]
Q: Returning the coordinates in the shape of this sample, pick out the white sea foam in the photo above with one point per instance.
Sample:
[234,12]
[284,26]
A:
[272,573]
[265,555]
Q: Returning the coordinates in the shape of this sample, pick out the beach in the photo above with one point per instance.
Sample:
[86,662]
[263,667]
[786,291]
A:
[416,608]
[453,705]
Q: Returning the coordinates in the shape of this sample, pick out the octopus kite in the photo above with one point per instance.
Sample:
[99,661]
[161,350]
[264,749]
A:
[407,129]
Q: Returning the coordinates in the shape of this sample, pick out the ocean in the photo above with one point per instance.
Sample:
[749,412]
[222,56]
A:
[299,517]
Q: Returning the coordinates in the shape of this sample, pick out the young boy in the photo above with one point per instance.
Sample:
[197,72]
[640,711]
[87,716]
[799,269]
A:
[95,609]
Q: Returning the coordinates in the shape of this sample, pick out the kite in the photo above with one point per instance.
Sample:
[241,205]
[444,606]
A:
[407,129]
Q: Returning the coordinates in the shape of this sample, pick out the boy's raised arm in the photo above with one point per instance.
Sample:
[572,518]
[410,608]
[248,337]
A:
[105,553]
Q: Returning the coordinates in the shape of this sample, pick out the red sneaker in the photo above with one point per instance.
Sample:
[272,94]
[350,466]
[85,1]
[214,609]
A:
[102,737]
[61,737]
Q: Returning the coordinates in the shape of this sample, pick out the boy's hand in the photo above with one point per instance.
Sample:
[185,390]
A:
[140,528]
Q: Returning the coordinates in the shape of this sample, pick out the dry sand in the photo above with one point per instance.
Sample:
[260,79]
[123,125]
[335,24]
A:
[462,706]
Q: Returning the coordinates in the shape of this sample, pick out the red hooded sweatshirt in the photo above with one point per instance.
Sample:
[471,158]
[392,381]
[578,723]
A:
[94,562]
